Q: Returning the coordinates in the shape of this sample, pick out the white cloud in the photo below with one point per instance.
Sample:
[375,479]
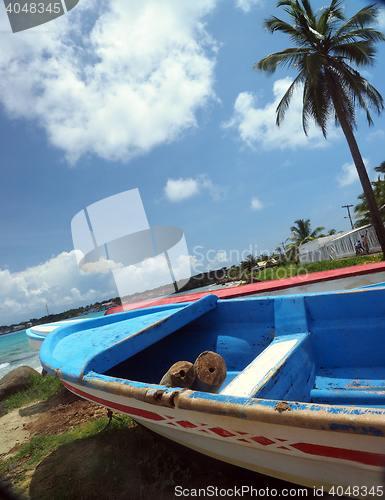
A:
[221,256]
[152,273]
[182,189]
[216,192]
[113,78]
[149,274]
[256,204]
[102,266]
[256,125]
[246,5]
[57,283]
[349,173]
[382,18]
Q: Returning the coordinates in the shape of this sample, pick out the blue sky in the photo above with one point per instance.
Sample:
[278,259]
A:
[162,97]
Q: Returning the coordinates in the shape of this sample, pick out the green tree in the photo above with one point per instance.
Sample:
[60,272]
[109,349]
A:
[326,45]
[249,262]
[362,209]
[301,233]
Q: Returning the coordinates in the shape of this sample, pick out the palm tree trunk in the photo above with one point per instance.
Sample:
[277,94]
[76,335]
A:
[363,176]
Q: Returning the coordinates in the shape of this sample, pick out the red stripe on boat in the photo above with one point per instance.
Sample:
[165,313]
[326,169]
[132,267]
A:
[186,425]
[116,406]
[362,457]
[222,432]
[264,441]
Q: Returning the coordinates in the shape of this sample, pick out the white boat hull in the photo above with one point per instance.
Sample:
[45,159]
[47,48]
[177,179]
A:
[291,453]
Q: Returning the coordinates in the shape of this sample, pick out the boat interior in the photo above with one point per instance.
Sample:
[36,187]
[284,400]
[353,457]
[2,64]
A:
[321,348]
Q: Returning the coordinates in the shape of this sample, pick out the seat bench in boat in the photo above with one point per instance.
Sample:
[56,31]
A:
[273,375]
[276,372]
[357,386]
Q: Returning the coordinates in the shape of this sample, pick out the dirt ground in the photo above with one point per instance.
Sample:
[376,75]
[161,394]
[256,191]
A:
[54,416]
[130,466]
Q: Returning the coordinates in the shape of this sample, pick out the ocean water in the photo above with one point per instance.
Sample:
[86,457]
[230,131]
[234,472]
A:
[15,351]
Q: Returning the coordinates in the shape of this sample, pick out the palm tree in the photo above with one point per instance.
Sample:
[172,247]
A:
[362,210]
[250,262]
[302,233]
[327,43]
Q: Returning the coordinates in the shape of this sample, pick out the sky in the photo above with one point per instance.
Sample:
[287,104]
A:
[159,97]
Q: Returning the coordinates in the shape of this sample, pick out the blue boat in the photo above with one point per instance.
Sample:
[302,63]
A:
[303,398]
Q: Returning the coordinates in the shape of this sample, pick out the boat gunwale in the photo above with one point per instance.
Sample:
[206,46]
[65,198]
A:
[51,364]
[316,416]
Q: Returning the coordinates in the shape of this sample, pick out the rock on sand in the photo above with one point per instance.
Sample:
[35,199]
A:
[15,381]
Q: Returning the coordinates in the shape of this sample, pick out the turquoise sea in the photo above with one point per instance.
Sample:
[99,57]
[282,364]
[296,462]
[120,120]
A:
[15,351]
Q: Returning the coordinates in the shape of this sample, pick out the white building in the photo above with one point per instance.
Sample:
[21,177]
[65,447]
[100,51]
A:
[337,246]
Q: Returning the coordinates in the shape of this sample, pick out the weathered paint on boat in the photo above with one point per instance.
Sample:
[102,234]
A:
[304,398]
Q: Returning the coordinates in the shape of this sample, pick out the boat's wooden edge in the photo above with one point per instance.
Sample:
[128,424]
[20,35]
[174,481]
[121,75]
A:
[353,420]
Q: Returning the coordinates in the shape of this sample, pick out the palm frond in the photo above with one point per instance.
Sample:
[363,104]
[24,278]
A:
[275,24]
[286,99]
[357,89]
[367,15]
[381,168]
[360,53]
[331,16]
[288,57]
[316,104]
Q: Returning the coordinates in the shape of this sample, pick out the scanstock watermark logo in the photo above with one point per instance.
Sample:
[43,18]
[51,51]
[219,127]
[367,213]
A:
[24,15]
[114,235]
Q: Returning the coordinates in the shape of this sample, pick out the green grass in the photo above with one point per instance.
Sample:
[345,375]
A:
[289,269]
[341,263]
[42,445]
[111,461]
[121,461]
[42,388]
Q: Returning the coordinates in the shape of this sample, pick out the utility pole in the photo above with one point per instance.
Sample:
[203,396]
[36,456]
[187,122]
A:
[349,216]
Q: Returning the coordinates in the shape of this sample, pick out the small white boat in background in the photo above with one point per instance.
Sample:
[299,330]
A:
[37,334]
